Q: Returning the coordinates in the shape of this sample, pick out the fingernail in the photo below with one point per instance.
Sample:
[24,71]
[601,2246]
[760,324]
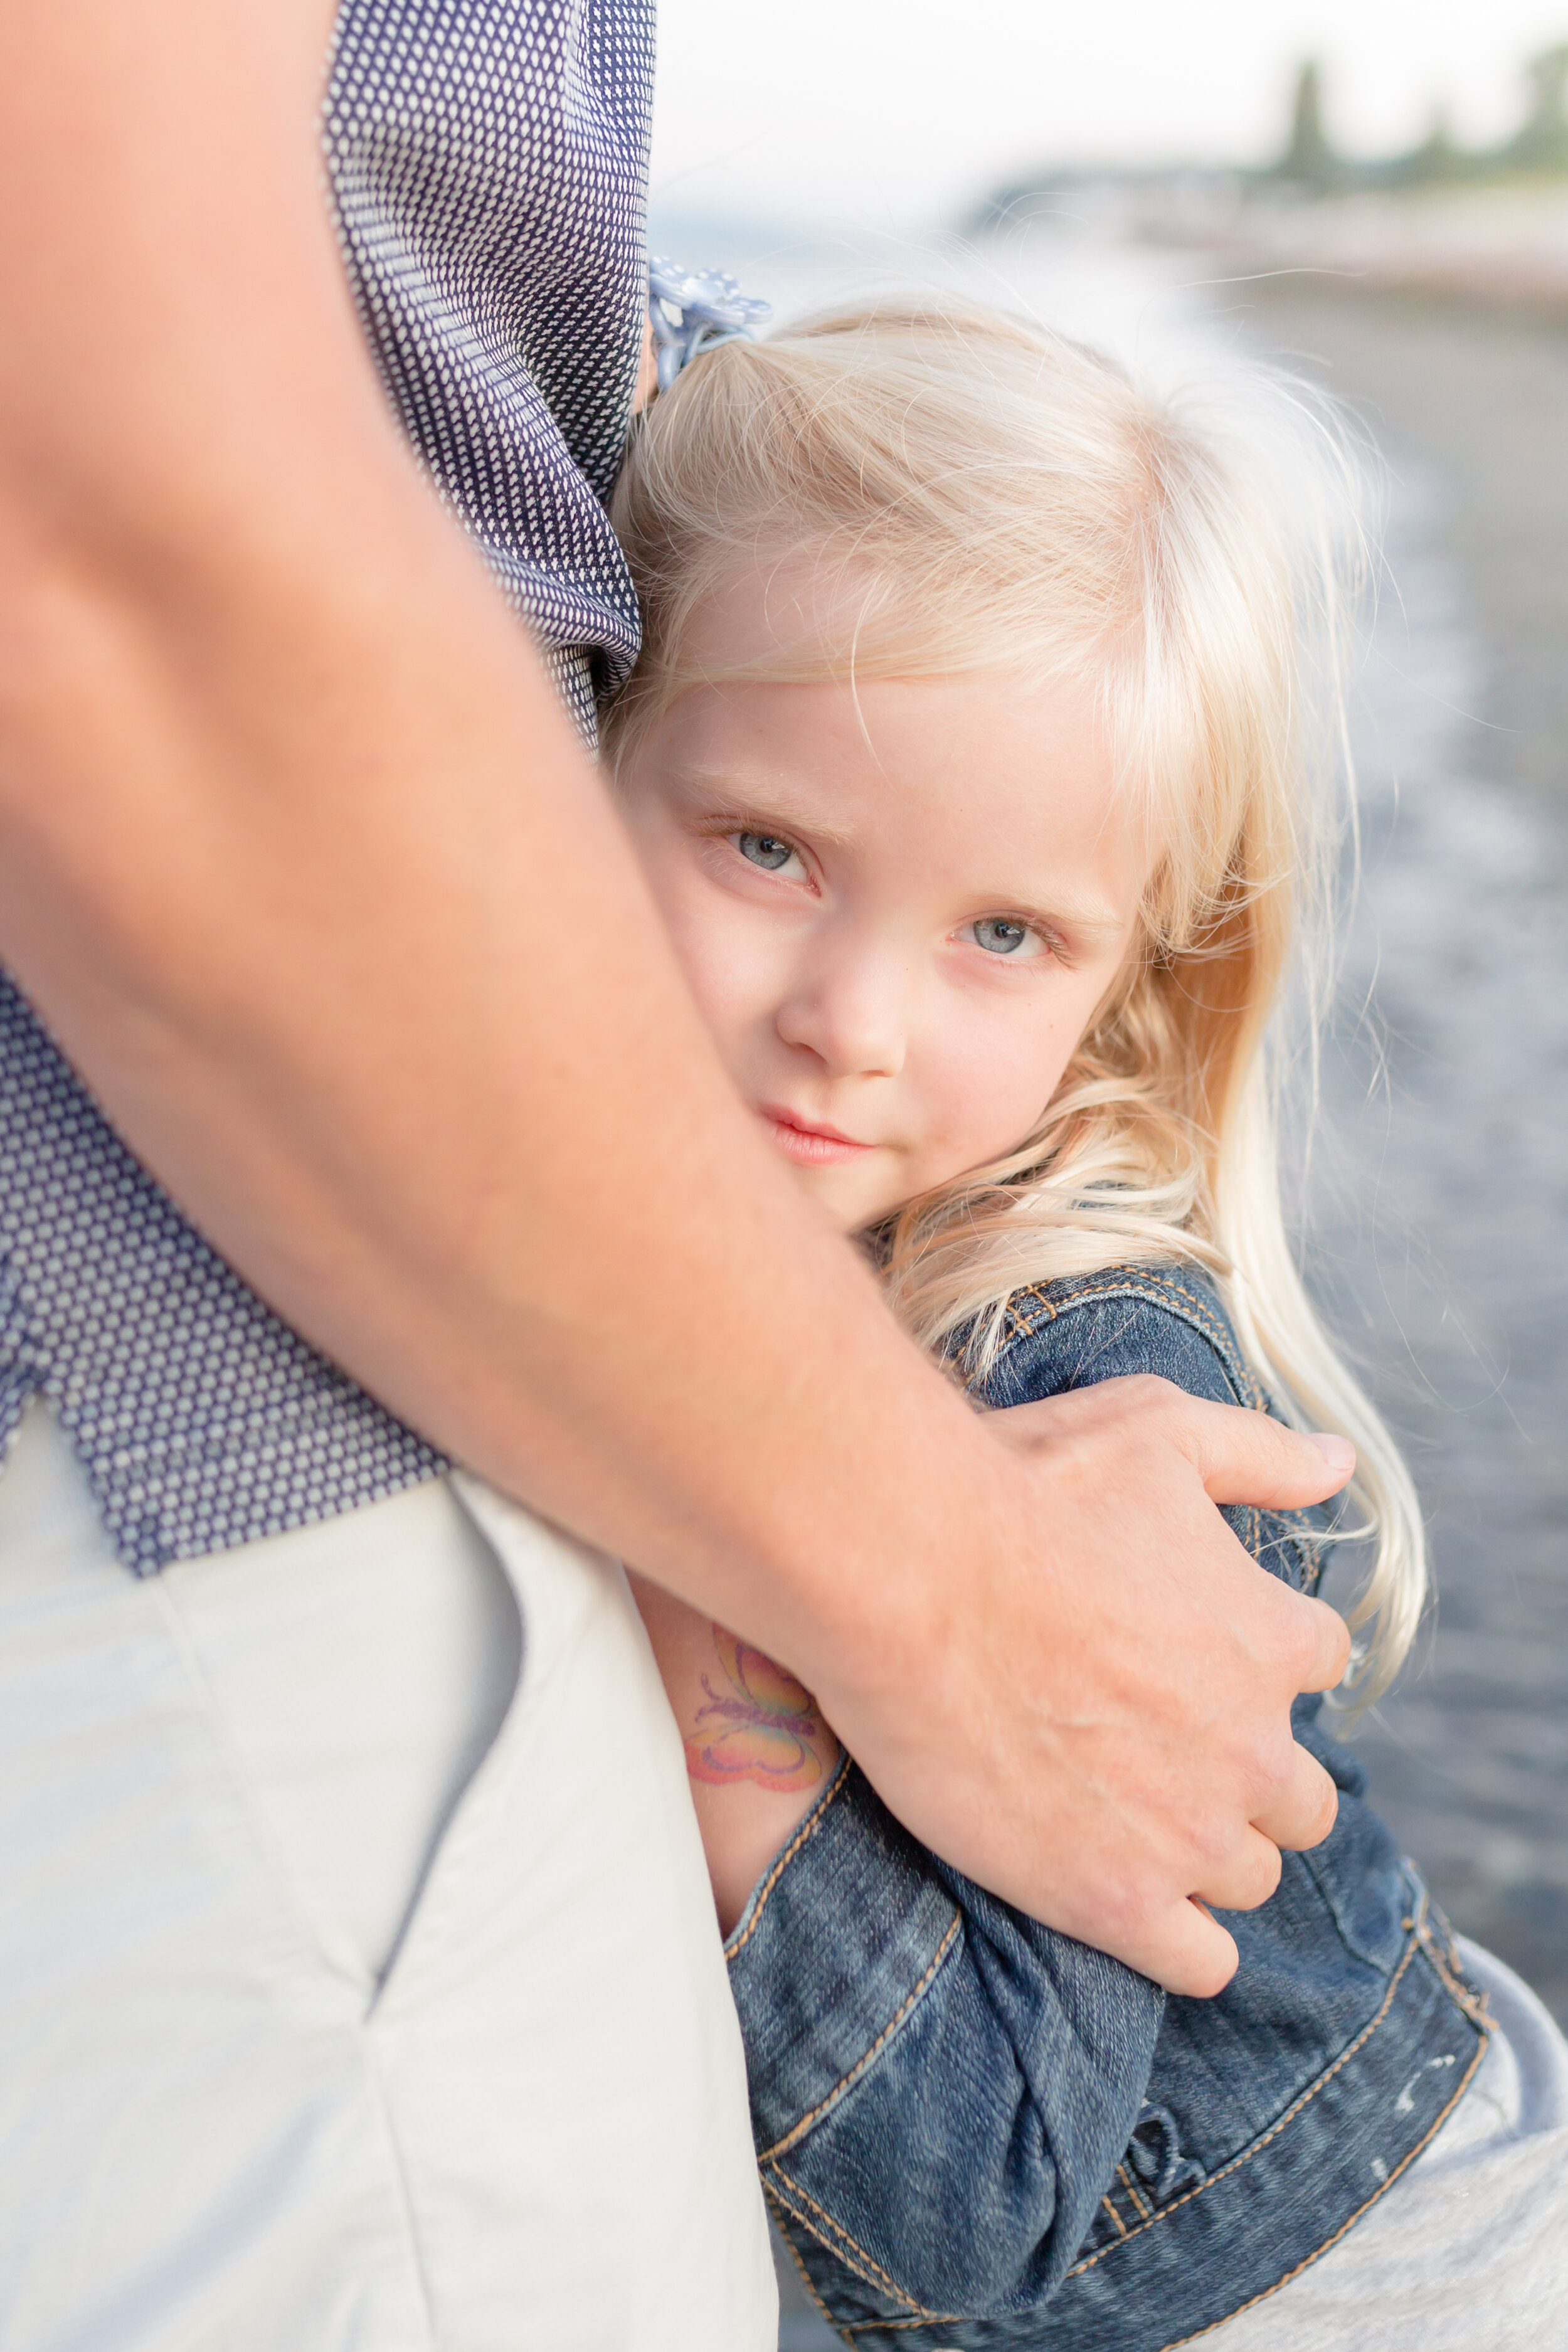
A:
[1337,1452]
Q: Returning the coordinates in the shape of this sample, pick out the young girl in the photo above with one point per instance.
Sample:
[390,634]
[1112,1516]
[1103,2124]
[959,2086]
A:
[973,761]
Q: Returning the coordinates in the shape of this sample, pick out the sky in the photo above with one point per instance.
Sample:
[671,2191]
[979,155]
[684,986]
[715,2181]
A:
[900,113]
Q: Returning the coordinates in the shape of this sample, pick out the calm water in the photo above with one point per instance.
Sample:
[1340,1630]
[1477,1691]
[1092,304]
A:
[1440,1177]
[1443,1212]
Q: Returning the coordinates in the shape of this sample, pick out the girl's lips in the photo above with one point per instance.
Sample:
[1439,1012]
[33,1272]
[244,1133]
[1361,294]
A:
[812,1147]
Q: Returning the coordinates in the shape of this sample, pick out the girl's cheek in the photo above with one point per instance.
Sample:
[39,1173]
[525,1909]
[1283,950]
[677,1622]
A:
[1002,1089]
[719,944]
[729,971]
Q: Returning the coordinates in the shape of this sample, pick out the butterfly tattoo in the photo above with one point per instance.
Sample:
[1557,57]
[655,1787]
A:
[760,1728]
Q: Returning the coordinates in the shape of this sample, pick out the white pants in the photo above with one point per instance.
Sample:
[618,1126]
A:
[360,1988]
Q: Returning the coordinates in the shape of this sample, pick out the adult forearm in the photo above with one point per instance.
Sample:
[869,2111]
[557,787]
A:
[304,865]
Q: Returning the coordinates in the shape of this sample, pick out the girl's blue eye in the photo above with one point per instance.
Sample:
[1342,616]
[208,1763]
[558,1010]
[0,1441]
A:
[997,936]
[764,849]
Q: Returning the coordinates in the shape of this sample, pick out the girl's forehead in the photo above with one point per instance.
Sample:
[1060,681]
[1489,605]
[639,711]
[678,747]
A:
[775,609]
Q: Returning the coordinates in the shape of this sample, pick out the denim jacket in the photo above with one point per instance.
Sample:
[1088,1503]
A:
[976,2132]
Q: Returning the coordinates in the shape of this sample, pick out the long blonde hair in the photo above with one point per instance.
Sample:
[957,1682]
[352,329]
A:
[963,492]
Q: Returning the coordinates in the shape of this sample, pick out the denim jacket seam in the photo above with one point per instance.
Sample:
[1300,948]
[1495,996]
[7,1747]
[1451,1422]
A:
[1023,1331]
[802,1836]
[1303,2099]
[1120,2224]
[1144,2211]
[771,2198]
[916,1994]
[1473,2004]
[1317,2251]
[1379,2192]
[1157,1291]
[870,2270]
[852,2327]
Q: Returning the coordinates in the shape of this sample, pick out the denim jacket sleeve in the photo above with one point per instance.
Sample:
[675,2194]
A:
[942,2089]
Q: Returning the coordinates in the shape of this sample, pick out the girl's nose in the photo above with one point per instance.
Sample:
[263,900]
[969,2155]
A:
[850,1010]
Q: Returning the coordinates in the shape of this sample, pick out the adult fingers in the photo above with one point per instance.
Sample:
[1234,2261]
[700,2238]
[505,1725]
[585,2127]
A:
[1305,1811]
[1324,1641]
[1186,1951]
[1247,1878]
[1249,1457]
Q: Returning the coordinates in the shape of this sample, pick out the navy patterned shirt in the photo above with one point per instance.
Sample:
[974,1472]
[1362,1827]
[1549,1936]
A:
[488,158]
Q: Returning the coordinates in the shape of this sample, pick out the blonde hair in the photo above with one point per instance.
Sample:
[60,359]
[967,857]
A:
[938,490]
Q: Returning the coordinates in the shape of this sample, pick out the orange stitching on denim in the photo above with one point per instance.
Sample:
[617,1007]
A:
[1024,1328]
[1474,2004]
[1219,1332]
[1137,1285]
[785,2191]
[768,2154]
[1292,2112]
[1138,2205]
[1120,2224]
[1381,2190]
[1221,1337]
[948,2318]
[775,2199]
[873,2272]
[806,1831]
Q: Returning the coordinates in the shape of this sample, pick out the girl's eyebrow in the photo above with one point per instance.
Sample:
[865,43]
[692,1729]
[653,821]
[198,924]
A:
[1088,918]
[744,798]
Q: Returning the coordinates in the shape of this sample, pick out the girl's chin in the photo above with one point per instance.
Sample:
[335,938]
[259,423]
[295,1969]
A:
[851,1205]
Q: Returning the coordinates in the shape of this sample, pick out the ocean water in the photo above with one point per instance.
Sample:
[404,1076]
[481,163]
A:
[1442,1203]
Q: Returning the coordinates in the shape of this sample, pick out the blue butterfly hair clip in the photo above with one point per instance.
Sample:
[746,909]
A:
[693,309]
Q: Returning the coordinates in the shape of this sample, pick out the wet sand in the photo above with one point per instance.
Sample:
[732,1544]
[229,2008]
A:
[1442,1242]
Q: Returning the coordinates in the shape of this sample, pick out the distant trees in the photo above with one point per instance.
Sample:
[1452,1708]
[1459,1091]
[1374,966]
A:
[1312,165]
[1540,144]
[1311,161]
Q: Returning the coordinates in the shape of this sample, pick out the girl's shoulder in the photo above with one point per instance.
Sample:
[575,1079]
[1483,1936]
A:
[1169,1321]
[1120,1322]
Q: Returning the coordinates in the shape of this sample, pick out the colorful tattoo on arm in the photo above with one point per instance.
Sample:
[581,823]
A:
[764,1727]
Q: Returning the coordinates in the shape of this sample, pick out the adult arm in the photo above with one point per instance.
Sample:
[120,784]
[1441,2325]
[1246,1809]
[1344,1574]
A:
[301,864]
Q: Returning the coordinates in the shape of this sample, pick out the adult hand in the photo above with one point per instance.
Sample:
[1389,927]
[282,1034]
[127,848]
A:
[1114,1645]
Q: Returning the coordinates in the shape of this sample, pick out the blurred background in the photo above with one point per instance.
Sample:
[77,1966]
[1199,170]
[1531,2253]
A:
[1377,197]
